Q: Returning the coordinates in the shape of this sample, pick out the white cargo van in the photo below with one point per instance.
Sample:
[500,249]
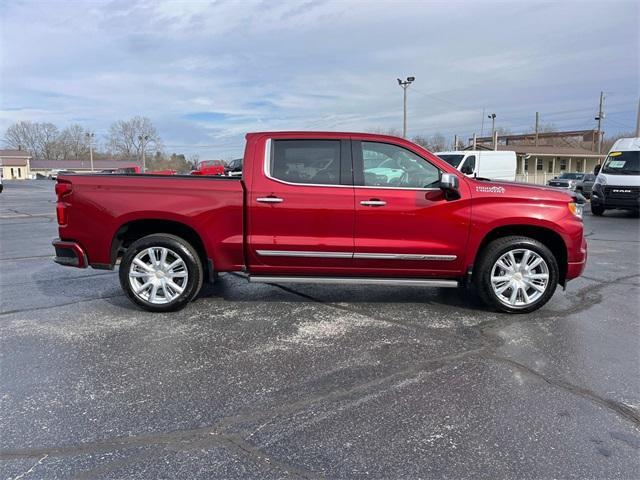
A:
[618,182]
[493,164]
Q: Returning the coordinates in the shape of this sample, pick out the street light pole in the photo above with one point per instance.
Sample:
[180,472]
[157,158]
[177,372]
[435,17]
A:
[90,137]
[143,139]
[493,128]
[405,84]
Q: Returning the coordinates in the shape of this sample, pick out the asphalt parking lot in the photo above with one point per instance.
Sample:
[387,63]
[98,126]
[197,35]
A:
[267,381]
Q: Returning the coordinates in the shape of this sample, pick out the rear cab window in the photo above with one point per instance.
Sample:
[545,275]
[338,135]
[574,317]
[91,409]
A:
[311,162]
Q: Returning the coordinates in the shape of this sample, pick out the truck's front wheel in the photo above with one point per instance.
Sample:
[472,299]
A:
[161,272]
[517,274]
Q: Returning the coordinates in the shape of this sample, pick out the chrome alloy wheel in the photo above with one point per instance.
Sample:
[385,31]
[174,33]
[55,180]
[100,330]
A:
[158,275]
[519,277]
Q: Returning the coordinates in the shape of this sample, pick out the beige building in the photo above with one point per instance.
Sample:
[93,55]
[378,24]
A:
[15,164]
[537,162]
[542,163]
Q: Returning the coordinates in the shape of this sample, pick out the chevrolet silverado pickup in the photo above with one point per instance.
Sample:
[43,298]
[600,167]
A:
[319,207]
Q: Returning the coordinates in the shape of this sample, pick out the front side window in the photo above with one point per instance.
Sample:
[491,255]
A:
[387,165]
[306,161]
[469,165]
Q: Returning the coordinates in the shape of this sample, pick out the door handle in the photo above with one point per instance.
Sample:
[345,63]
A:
[269,200]
[373,203]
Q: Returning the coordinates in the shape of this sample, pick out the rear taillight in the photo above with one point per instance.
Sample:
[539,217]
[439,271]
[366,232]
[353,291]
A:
[63,189]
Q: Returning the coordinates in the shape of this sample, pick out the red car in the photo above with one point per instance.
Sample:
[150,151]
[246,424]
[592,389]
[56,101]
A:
[210,167]
[324,208]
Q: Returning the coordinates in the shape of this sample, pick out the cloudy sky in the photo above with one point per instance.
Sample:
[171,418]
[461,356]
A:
[206,72]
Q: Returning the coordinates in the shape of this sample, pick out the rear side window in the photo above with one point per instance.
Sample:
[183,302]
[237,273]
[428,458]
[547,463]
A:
[306,161]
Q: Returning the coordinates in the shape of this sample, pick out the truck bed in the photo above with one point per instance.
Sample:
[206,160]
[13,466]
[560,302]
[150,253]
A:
[105,206]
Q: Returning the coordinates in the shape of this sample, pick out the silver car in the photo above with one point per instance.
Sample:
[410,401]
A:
[576,181]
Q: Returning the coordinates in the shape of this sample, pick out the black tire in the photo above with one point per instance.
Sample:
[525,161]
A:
[180,248]
[597,210]
[490,255]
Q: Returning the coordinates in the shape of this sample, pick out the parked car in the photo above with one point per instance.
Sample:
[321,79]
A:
[576,181]
[307,209]
[54,173]
[234,168]
[618,182]
[210,167]
[493,164]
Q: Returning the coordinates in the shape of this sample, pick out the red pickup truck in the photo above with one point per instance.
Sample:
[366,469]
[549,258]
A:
[323,208]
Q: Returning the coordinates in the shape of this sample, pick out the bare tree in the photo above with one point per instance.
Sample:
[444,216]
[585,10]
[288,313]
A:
[23,135]
[125,137]
[74,143]
[435,143]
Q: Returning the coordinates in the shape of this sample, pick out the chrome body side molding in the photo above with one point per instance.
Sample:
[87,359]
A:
[410,282]
[357,256]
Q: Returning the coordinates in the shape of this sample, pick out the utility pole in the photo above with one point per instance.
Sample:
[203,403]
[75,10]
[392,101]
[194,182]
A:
[143,139]
[599,118]
[537,126]
[493,129]
[405,84]
[90,137]
[455,142]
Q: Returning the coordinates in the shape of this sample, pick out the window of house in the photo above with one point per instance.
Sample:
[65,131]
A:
[563,164]
[387,165]
[306,161]
[539,164]
[526,164]
[549,166]
[579,165]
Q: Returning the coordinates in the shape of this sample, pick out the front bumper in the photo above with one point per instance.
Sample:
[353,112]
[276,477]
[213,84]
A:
[608,197]
[575,269]
[69,254]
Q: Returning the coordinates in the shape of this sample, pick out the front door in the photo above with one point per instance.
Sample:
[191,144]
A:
[404,223]
[301,207]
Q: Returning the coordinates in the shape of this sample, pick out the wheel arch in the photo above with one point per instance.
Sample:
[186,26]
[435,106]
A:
[133,230]
[551,239]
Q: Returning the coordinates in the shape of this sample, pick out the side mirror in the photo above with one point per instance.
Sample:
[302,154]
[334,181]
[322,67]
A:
[467,170]
[449,182]
[596,169]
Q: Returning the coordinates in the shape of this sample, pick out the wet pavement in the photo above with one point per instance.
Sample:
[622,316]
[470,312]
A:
[268,381]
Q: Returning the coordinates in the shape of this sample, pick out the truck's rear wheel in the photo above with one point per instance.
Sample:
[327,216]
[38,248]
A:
[517,274]
[161,272]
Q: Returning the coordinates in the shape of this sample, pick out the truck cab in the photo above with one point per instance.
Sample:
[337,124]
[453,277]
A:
[617,184]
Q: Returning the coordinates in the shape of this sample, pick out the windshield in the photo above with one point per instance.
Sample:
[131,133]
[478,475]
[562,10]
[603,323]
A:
[572,176]
[453,160]
[622,163]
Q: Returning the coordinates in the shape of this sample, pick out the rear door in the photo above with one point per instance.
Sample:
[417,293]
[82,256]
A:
[301,206]
[404,223]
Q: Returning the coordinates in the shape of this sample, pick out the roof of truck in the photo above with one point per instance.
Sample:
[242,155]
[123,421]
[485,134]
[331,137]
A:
[626,144]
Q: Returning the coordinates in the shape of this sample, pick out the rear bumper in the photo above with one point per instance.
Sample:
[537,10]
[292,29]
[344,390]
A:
[69,254]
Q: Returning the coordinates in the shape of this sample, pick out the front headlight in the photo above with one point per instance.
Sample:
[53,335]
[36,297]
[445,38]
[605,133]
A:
[576,209]
[601,180]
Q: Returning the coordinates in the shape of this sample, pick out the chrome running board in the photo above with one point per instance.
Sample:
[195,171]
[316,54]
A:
[399,282]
